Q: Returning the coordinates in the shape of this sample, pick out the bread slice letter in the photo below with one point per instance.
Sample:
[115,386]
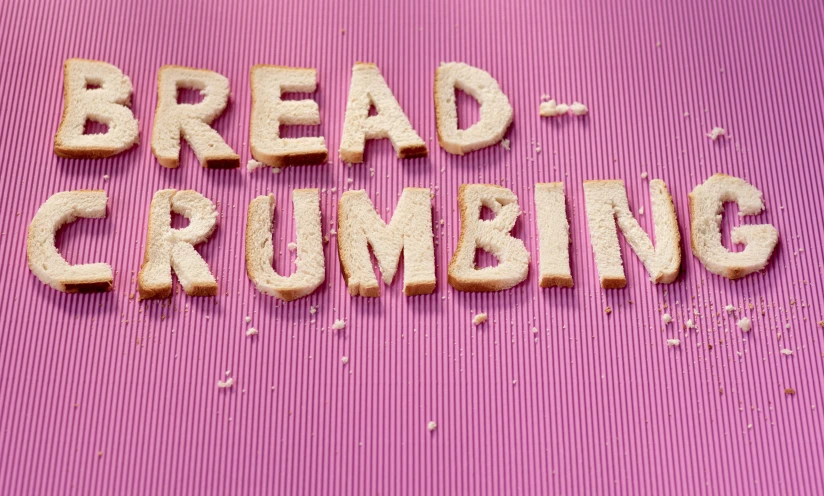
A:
[191,122]
[409,231]
[606,203]
[553,235]
[46,262]
[168,248]
[496,111]
[269,112]
[260,252]
[491,236]
[706,210]
[367,89]
[99,92]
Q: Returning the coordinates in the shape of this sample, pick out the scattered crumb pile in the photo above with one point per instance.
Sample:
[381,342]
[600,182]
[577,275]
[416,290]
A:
[716,133]
[554,109]
[339,324]
[253,164]
[251,332]
[744,324]
[673,342]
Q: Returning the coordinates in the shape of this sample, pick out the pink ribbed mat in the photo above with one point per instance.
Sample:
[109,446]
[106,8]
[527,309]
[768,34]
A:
[102,394]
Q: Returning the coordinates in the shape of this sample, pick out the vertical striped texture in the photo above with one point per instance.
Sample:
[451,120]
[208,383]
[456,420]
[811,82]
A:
[592,403]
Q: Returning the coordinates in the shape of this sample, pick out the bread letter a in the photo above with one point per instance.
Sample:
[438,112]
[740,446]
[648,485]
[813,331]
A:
[368,88]
[260,252]
[553,235]
[168,248]
[191,122]
[269,112]
[44,259]
[706,209]
[491,236]
[496,112]
[409,231]
[606,203]
[99,92]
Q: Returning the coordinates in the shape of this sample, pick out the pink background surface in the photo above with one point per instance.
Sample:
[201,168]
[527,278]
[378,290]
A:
[100,393]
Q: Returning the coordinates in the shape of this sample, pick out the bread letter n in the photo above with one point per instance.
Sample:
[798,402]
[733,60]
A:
[45,261]
[706,208]
[496,112]
[99,92]
[168,248]
[491,236]
[269,112]
[260,252]
[409,231]
[553,235]
[368,88]
[191,122]
[606,203]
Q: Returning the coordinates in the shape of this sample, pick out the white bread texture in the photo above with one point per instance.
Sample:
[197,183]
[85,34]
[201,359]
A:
[496,111]
[170,249]
[191,122]
[706,210]
[107,104]
[368,88]
[606,203]
[491,236]
[311,269]
[409,231]
[46,262]
[553,235]
[269,112]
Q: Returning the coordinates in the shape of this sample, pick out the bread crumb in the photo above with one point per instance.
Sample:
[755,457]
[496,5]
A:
[339,324]
[640,210]
[534,330]
[690,324]
[276,170]
[313,309]
[686,114]
[644,175]
[253,164]
[716,133]
[350,180]
[673,342]
[431,426]
[251,332]
[578,108]
[608,310]
[729,308]
[106,177]
[789,392]
[479,319]
[333,189]
[505,144]
[248,319]
[226,384]
[744,324]
[552,109]
[786,352]
[344,360]
[666,318]
[292,246]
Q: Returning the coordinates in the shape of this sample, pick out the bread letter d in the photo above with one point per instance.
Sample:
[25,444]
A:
[491,236]
[706,208]
[168,248]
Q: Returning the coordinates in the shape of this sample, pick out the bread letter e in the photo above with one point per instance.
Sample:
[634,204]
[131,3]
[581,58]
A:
[311,269]
[191,122]
[99,92]
[45,261]
[269,112]
[491,236]
[368,88]
[553,235]
[168,248]
[706,208]
[409,231]
[496,112]
[606,203]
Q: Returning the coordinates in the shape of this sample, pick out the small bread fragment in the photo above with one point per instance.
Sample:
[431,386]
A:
[496,111]
[170,249]
[368,88]
[706,210]
[606,204]
[310,262]
[43,258]
[492,236]
[191,121]
[270,112]
[553,235]
[409,231]
[99,92]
